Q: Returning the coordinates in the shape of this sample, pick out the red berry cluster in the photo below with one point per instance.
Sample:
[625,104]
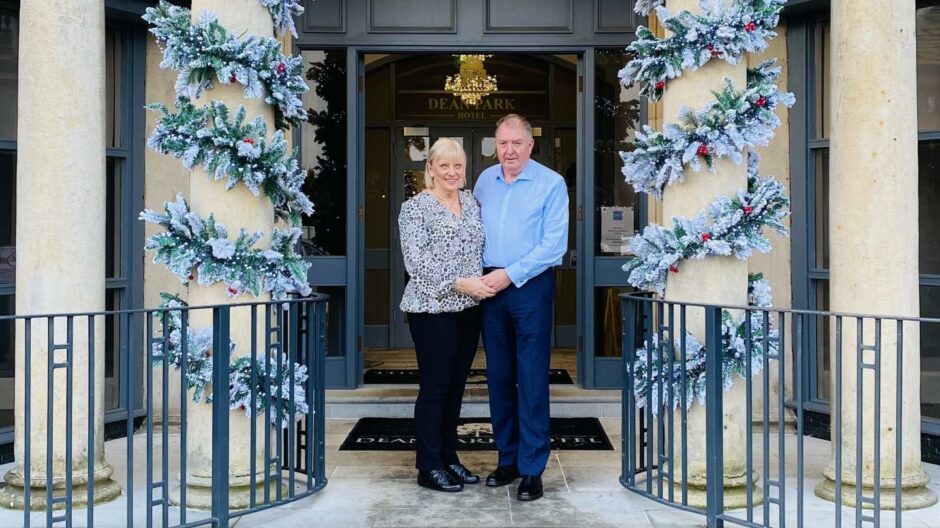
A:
[703,150]
[761,101]
[281,68]
[750,27]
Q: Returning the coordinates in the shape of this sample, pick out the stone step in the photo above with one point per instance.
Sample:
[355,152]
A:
[397,401]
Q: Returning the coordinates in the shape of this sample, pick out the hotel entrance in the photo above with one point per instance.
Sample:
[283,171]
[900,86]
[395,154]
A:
[407,110]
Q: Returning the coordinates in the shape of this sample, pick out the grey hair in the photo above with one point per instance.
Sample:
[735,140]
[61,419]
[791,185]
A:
[522,121]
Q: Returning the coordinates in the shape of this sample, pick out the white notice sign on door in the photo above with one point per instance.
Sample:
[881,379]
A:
[616,229]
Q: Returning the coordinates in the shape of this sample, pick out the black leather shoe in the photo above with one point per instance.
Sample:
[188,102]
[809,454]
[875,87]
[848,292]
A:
[530,488]
[502,476]
[438,480]
[462,474]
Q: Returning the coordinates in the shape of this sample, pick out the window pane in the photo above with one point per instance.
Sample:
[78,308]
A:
[9,40]
[323,152]
[112,348]
[113,227]
[7,218]
[823,362]
[378,297]
[929,197]
[821,173]
[928,68]
[616,115]
[607,324]
[335,315]
[930,353]
[7,361]
[113,92]
[823,86]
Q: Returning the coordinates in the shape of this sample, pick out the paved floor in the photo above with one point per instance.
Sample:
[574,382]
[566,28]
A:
[372,489]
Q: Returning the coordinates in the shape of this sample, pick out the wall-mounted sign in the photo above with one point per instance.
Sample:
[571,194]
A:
[436,105]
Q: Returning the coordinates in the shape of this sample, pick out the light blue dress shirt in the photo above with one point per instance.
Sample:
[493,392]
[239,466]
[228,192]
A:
[526,221]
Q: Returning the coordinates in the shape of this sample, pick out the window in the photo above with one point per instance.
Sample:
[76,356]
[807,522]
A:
[817,272]
[120,219]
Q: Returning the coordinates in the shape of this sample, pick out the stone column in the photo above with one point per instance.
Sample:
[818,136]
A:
[60,242]
[715,280]
[873,248]
[236,208]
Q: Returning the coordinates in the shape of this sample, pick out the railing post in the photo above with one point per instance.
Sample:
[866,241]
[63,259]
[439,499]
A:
[713,417]
[319,334]
[221,326]
[628,425]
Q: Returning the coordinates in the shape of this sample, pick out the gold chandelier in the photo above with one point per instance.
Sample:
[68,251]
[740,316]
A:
[472,83]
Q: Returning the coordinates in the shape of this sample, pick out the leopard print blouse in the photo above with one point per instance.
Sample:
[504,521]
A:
[438,248]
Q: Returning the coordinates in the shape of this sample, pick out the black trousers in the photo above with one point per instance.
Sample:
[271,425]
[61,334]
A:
[445,344]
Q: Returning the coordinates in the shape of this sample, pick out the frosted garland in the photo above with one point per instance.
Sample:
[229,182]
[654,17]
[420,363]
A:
[235,151]
[283,13]
[724,33]
[732,125]
[206,50]
[731,226]
[651,370]
[273,381]
[735,121]
[193,242]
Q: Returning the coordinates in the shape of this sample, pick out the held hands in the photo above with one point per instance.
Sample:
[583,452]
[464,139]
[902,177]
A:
[475,287]
[498,280]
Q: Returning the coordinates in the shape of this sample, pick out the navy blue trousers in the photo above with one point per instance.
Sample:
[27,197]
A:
[517,326]
[445,344]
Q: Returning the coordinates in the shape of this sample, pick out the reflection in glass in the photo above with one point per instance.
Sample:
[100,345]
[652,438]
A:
[928,68]
[335,315]
[823,86]
[416,148]
[616,116]
[7,218]
[9,42]
[7,360]
[929,197]
[377,290]
[821,174]
[377,189]
[113,78]
[930,353]
[607,325]
[323,152]
[488,148]
[113,218]
[413,182]
[823,337]
[112,351]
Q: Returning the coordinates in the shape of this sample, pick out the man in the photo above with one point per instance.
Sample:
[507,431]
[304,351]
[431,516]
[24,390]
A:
[524,206]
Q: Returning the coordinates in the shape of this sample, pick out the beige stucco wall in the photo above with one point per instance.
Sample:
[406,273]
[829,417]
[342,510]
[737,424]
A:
[164,176]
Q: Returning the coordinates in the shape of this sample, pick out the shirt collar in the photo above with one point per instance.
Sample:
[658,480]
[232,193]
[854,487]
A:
[527,172]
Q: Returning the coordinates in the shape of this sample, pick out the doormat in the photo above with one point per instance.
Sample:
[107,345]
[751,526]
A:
[476,377]
[473,434]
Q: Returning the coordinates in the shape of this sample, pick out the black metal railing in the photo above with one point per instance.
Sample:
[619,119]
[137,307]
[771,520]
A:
[667,371]
[281,390]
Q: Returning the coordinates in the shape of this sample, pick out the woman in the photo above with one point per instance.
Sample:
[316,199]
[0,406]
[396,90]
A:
[442,245]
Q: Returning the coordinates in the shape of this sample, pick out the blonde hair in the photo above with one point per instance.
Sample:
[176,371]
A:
[445,148]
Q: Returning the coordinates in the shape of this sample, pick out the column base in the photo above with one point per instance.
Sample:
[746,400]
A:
[199,496]
[14,494]
[912,498]
[735,494]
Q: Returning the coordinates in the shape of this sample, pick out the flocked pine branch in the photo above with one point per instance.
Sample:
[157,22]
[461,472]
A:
[205,52]
[190,242]
[230,148]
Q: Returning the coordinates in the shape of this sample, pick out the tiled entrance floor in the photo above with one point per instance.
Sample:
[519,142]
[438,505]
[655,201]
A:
[372,489]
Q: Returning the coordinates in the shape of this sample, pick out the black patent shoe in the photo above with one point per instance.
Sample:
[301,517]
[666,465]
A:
[530,488]
[462,474]
[438,480]
[502,476]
